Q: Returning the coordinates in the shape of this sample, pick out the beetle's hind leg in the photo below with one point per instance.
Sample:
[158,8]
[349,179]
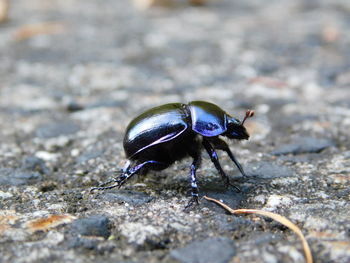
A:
[127,174]
[103,186]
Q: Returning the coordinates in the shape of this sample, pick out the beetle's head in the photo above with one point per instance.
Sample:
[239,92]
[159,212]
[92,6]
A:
[235,128]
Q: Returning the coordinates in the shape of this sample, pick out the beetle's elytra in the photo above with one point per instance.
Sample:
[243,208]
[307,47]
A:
[162,135]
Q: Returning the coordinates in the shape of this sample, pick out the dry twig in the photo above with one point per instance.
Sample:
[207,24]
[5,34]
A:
[284,221]
[143,4]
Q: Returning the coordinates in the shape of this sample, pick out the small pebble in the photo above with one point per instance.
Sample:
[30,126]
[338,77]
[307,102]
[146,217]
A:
[96,225]
[214,249]
[304,145]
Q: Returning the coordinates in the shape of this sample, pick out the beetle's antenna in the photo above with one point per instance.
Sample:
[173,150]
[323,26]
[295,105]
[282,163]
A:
[248,114]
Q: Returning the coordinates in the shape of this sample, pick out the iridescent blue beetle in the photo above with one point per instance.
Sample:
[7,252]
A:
[162,135]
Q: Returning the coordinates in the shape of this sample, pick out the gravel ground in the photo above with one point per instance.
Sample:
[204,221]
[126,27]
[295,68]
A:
[74,73]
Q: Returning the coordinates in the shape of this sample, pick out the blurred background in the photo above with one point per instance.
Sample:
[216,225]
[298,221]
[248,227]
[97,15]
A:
[239,53]
[102,62]
[73,73]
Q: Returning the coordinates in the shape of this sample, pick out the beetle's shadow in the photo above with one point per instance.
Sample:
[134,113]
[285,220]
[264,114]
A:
[179,185]
[230,195]
[227,195]
[212,187]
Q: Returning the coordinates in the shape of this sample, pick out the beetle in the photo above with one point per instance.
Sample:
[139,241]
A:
[162,135]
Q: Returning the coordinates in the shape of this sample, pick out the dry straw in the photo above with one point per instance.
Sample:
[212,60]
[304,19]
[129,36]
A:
[284,221]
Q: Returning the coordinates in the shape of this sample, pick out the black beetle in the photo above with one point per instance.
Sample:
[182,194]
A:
[162,135]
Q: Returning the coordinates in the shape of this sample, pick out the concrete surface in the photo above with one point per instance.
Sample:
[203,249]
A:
[73,74]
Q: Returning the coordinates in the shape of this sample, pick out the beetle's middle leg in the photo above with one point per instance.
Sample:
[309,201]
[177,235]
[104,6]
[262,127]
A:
[194,166]
[127,174]
[215,159]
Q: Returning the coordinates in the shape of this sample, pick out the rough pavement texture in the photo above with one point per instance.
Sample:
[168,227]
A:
[74,73]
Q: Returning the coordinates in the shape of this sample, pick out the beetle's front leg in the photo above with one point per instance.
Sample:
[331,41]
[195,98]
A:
[215,159]
[222,145]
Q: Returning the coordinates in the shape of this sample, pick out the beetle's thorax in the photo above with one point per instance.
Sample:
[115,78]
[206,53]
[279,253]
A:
[207,119]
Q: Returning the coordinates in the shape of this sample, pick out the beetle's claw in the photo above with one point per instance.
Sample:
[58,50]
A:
[242,172]
[192,203]
[229,184]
